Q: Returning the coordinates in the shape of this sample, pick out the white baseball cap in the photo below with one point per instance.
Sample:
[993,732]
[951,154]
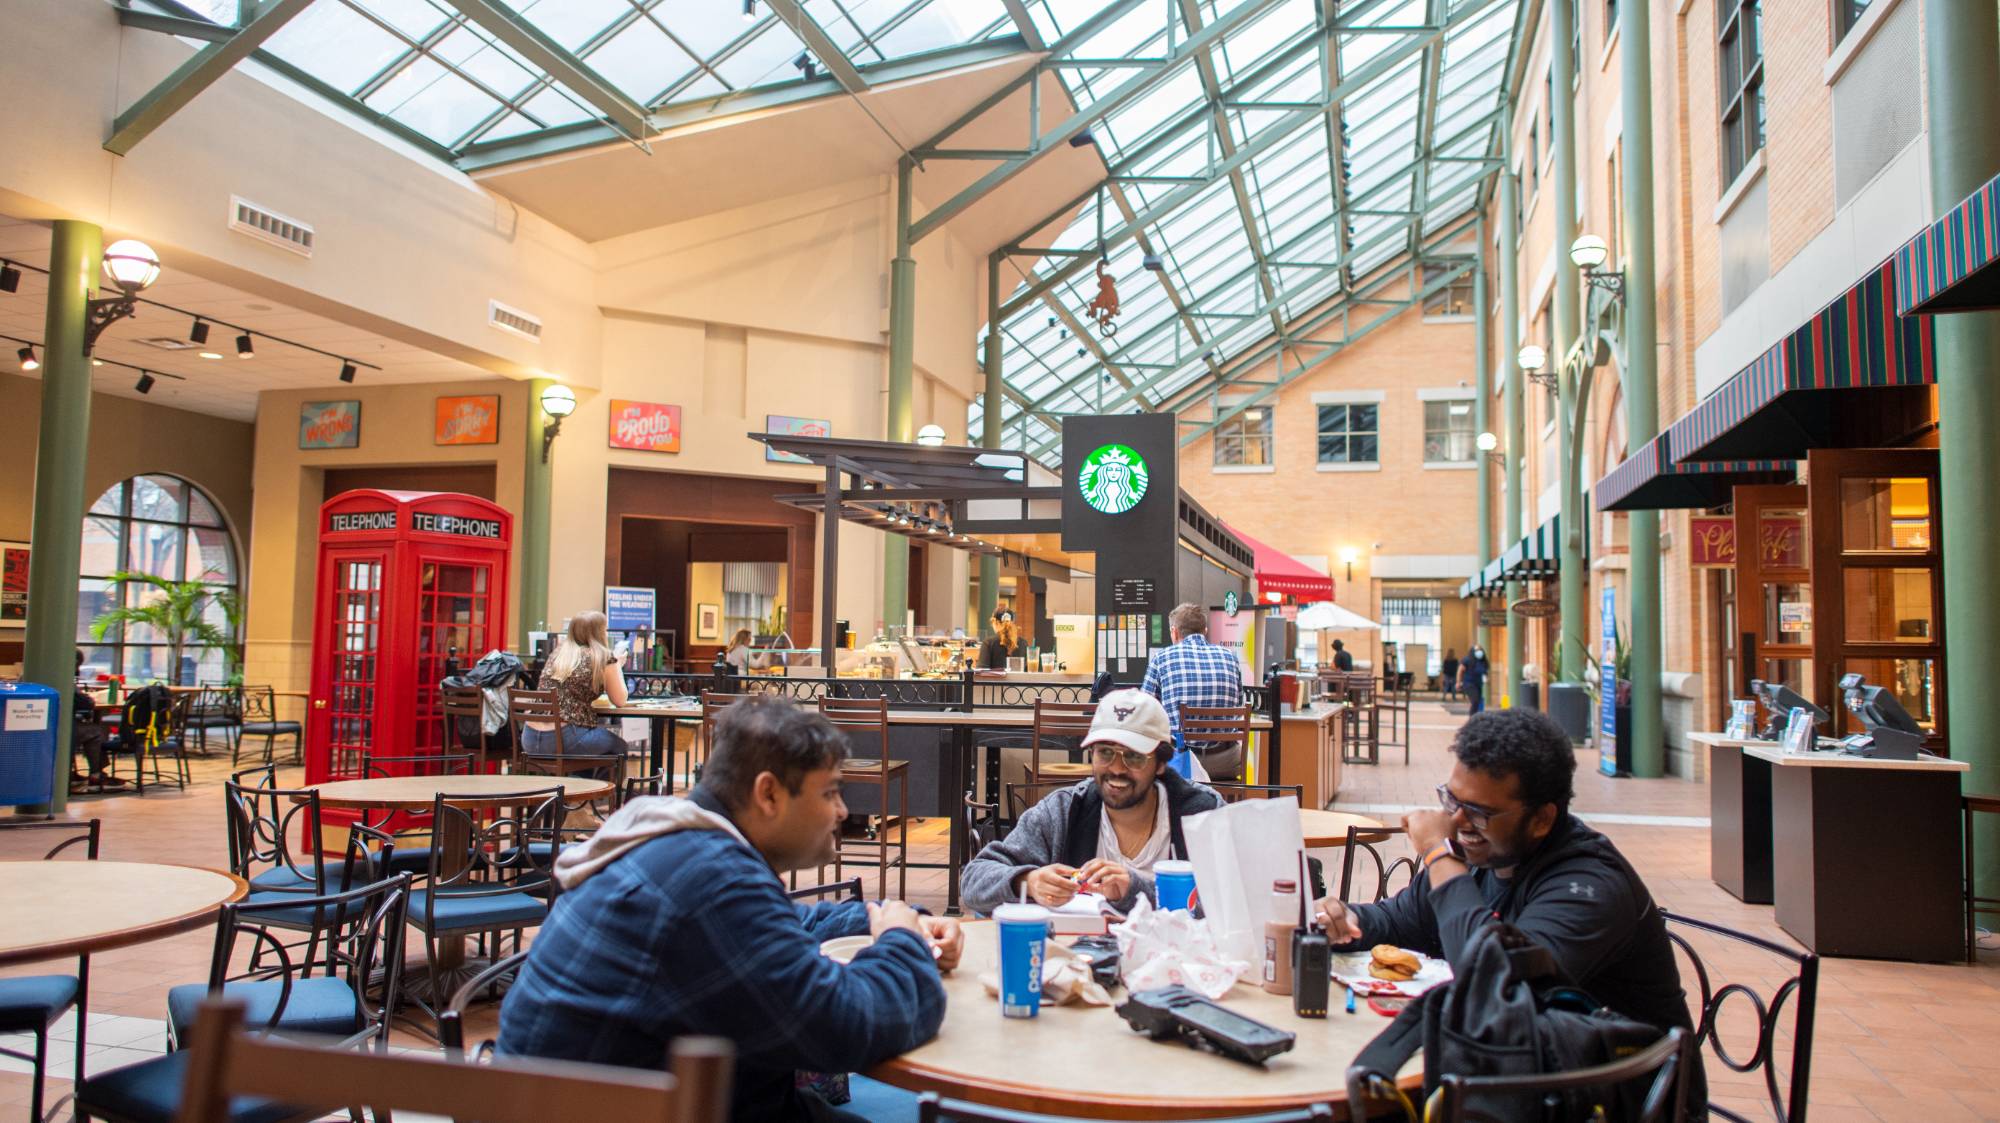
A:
[1132,718]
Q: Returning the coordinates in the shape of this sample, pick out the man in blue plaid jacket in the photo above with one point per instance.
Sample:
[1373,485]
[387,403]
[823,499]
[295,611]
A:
[673,922]
[1195,672]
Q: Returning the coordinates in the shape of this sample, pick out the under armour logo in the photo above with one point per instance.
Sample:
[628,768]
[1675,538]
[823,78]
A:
[1123,712]
[1578,889]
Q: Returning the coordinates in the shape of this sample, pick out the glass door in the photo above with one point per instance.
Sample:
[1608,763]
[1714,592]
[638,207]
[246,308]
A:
[1879,579]
[1774,609]
[452,604]
[356,636]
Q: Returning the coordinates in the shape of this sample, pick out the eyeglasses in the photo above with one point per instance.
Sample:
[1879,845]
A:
[1476,816]
[1130,758]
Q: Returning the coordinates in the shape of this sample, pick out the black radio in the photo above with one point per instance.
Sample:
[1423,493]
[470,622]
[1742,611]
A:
[1176,1011]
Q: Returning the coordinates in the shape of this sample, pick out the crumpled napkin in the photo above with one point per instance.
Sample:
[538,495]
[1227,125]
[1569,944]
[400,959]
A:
[1066,979]
[1158,948]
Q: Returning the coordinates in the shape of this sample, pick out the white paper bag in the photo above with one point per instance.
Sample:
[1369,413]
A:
[1238,852]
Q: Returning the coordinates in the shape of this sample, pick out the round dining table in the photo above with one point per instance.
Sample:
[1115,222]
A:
[419,793]
[1085,1061]
[1329,828]
[60,909]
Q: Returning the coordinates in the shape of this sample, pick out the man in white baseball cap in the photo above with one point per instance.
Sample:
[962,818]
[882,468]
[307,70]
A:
[1104,834]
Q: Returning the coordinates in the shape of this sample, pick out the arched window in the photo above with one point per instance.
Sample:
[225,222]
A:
[169,528]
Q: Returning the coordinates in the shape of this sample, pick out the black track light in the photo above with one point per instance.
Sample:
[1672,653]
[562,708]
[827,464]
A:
[145,383]
[199,332]
[28,360]
[10,278]
[244,348]
[1083,139]
[347,372]
[1154,262]
[806,65]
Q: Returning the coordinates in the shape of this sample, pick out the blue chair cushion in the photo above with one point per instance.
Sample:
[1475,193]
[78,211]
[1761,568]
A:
[317,1005]
[150,1092]
[878,1102]
[33,1002]
[460,912]
[284,877]
[270,728]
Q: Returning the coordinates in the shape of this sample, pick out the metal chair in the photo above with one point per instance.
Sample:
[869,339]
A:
[1666,1062]
[451,1020]
[146,735]
[1216,728]
[273,833]
[32,1004]
[260,719]
[228,1068]
[1061,726]
[1020,797]
[1975,905]
[1232,792]
[219,706]
[1392,705]
[411,857]
[1362,840]
[933,1108]
[868,718]
[1363,718]
[1790,1103]
[713,702]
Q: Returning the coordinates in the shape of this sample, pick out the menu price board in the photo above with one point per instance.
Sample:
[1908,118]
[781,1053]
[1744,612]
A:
[1133,592]
[13,584]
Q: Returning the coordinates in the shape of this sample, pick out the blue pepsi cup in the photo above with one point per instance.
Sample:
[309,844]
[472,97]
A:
[1173,883]
[1024,937]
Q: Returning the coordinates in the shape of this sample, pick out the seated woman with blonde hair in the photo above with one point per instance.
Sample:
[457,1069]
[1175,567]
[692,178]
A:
[582,667]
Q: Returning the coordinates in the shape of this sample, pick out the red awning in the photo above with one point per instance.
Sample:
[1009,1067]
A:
[1279,572]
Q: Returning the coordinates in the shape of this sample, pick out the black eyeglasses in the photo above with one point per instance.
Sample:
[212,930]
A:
[1475,815]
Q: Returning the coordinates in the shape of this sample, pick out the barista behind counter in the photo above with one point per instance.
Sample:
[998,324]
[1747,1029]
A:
[1004,643]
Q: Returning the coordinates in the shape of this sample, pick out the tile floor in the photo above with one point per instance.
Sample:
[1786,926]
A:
[1893,1041]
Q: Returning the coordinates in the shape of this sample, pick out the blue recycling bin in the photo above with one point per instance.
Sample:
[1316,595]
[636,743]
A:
[28,716]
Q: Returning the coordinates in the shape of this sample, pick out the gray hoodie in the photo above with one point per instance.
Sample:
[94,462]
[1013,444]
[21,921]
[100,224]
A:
[1063,827]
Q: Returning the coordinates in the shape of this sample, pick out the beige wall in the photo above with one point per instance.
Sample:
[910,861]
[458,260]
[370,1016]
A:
[127,438]
[398,426]
[1404,510]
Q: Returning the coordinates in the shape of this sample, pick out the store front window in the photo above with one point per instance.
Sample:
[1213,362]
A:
[1245,439]
[168,528]
[1416,626]
[1448,432]
[1349,434]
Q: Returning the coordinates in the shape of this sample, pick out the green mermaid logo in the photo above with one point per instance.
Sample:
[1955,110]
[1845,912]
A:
[1113,479]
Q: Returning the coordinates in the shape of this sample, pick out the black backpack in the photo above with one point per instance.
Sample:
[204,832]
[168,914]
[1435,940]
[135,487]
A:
[1509,1012]
[148,714]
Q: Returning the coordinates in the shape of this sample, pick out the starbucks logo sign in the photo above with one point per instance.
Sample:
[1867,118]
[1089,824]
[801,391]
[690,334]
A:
[1113,479]
[1230,603]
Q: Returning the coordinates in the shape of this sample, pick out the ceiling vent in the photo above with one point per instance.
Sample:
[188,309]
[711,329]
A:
[513,321]
[270,226]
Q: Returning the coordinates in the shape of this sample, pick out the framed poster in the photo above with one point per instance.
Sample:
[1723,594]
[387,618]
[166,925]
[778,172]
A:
[646,426]
[707,622]
[330,424]
[13,584]
[471,420]
[793,427]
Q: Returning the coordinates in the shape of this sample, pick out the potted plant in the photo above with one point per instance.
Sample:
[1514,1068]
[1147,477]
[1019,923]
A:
[176,609]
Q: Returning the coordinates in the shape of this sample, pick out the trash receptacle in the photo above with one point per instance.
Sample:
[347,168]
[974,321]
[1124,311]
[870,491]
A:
[28,715]
[1569,704]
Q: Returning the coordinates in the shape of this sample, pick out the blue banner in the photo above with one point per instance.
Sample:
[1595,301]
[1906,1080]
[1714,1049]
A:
[629,609]
[1607,684]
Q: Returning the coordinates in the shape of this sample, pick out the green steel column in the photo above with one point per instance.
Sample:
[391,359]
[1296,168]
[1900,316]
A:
[989,437]
[1574,621]
[61,449]
[1482,388]
[902,364]
[1515,440]
[1964,81]
[1641,386]
[537,488]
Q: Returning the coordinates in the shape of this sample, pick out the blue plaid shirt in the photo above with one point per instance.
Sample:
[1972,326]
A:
[1194,672]
[691,933]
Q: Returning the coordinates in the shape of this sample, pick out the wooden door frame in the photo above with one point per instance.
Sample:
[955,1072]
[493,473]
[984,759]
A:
[1750,501]
[1826,468]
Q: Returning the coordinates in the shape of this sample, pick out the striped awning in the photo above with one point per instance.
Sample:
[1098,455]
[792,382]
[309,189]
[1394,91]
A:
[1953,265]
[1536,556]
[1650,480]
[1776,408]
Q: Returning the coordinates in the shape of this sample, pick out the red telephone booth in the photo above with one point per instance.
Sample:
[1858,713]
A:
[404,577]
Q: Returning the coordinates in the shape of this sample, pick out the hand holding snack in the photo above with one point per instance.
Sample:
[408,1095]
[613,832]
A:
[1052,885]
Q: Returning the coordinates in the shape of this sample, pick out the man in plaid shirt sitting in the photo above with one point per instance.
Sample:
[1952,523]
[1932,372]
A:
[673,922]
[1195,672]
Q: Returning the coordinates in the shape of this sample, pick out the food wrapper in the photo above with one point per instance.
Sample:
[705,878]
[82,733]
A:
[1066,979]
[1238,851]
[1161,948]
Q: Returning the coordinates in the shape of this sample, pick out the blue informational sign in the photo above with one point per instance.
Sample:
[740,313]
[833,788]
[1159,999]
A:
[628,609]
[1607,706]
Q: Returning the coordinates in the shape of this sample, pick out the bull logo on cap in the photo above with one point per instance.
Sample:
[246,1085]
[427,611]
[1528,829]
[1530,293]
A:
[1123,712]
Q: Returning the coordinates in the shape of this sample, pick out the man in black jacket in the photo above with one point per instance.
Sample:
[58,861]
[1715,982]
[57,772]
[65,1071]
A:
[1505,847]
[1102,834]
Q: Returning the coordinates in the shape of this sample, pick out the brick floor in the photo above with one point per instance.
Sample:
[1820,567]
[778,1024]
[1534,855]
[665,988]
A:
[1893,1042]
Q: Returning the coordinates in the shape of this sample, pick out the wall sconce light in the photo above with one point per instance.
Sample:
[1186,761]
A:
[1348,554]
[1530,359]
[1487,443]
[558,402]
[131,267]
[1590,253]
[931,436]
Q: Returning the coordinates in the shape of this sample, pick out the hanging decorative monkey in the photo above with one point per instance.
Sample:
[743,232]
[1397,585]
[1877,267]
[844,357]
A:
[1103,310]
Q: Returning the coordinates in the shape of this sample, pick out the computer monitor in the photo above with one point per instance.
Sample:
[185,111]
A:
[1779,701]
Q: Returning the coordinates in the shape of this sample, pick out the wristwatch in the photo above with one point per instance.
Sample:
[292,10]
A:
[1449,848]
